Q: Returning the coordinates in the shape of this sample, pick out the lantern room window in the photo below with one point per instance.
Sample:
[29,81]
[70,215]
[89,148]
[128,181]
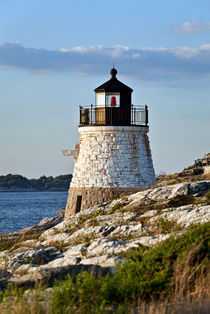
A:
[100,99]
[107,100]
[113,100]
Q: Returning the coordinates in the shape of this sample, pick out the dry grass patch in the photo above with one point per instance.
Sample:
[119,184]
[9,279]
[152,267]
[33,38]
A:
[175,178]
[165,226]
[12,242]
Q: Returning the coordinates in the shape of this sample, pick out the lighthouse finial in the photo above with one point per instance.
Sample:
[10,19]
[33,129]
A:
[113,73]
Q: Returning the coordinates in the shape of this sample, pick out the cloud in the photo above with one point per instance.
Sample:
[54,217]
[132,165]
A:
[192,27]
[148,63]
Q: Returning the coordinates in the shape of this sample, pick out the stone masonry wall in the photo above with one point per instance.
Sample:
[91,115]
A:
[94,196]
[112,157]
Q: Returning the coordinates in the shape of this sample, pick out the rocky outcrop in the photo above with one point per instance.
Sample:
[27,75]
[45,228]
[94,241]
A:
[98,238]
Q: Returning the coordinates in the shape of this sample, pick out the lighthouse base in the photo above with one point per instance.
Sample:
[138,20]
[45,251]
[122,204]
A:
[80,199]
[110,161]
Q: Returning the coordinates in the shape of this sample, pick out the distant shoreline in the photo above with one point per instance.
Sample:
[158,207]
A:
[18,183]
[30,190]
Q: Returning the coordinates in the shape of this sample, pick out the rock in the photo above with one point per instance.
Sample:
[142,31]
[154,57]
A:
[140,201]
[108,247]
[149,213]
[127,230]
[108,223]
[186,215]
[24,269]
[45,221]
[4,274]
[37,256]
[3,284]
[197,171]
[48,276]
[60,237]
[152,240]
[191,172]
[61,212]
[116,218]
[170,191]
[207,170]
[30,243]
[63,261]
[198,188]
[104,261]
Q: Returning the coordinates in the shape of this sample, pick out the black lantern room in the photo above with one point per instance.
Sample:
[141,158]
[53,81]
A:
[113,102]
[113,93]
[113,106]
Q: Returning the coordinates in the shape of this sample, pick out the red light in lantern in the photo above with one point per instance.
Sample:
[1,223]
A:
[113,101]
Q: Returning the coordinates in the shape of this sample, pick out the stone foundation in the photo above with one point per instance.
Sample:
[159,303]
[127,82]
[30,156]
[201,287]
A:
[93,196]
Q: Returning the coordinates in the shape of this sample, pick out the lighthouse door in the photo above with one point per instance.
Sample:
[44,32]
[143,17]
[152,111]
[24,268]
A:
[78,204]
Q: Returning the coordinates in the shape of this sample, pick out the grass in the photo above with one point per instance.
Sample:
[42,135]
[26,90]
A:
[59,245]
[91,219]
[6,243]
[117,206]
[92,216]
[172,182]
[159,205]
[196,179]
[172,273]
[71,228]
[207,195]
[128,237]
[56,231]
[166,226]
[87,239]
[176,178]
[9,243]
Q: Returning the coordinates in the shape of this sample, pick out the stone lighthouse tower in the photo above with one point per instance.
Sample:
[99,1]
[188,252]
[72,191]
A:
[113,156]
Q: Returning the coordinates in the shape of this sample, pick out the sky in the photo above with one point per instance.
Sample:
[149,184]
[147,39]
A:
[54,53]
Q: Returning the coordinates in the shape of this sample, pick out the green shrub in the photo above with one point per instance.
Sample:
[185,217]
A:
[85,294]
[59,245]
[87,240]
[117,206]
[196,179]
[166,226]
[207,195]
[172,182]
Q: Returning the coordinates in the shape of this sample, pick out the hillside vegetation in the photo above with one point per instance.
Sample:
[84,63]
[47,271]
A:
[17,182]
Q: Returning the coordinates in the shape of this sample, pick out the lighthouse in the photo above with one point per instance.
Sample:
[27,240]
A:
[113,156]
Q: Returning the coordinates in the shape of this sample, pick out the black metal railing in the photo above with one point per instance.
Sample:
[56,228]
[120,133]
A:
[133,115]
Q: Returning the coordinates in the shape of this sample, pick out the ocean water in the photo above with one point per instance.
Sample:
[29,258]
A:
[19,210]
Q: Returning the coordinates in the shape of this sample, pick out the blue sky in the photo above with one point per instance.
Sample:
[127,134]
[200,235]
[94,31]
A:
[54,53]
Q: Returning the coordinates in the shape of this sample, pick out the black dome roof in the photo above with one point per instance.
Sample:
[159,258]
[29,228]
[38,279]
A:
[113,85]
